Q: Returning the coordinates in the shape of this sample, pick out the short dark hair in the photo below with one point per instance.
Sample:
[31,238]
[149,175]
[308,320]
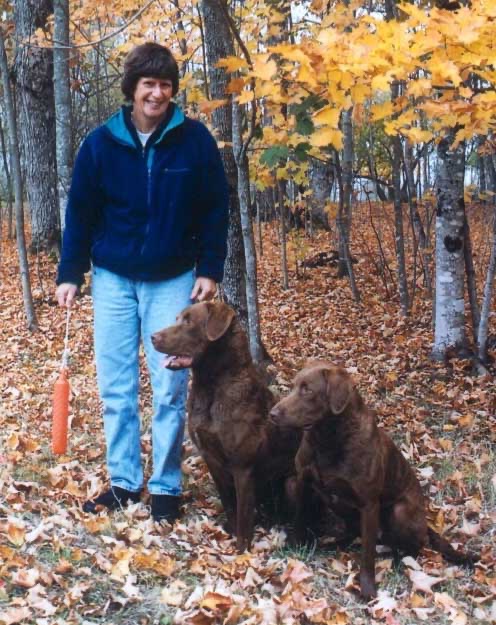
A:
[149,60]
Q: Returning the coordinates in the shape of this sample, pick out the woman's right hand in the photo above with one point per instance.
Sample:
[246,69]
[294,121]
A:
[65,294]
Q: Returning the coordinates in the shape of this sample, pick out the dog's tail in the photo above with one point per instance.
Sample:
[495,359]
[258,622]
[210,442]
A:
[438,543]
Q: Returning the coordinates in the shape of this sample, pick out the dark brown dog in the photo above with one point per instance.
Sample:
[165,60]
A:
[355,468]
[228,409]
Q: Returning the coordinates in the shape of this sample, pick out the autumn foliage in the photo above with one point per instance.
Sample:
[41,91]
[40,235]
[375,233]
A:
[58,564]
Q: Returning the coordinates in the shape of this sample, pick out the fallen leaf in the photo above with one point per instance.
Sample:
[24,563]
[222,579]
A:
[15,615]
[173,594]
[423,582]
[383,604]
[26,578]
[411,563]
[215,602]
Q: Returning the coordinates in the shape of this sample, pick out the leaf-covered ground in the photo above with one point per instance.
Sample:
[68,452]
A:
[59,565]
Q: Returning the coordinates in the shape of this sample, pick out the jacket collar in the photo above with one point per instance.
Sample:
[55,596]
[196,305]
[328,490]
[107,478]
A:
[122,129]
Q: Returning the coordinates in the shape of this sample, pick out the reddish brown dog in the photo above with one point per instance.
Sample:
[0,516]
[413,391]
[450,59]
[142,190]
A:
[228,412]
[355,468]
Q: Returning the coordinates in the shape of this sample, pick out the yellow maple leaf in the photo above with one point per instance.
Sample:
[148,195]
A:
[245,96]
[360,93]
[380,111]
[417,135]
[381,82]
[306,75]
[207,106]
[235,85]
[264,68]
[291,53]
[328,116]
[418,16]
[347,80]
[232,63]
[419,87]
[327,137]
[468,25]
[445,70]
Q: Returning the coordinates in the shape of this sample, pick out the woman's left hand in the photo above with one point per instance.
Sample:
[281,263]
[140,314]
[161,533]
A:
[204,289]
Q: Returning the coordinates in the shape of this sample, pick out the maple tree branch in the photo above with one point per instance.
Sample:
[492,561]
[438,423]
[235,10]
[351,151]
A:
[234,31]
[59,46]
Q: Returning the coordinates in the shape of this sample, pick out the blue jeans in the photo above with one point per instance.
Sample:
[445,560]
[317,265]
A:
[126,311]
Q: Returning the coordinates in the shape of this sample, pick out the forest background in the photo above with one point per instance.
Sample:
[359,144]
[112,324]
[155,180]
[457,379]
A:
[358,141]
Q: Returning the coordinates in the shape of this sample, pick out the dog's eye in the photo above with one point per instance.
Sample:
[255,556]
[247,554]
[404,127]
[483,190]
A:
[186,320]
[305,390]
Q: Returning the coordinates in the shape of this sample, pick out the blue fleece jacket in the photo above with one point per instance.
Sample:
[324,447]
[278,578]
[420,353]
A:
[146,213]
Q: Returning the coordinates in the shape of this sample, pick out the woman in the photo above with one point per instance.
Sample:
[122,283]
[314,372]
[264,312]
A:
[148,209]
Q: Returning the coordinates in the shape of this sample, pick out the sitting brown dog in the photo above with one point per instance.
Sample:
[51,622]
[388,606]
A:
[355,468]
[228,413]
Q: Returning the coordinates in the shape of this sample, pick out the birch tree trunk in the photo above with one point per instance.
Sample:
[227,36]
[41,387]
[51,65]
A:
[62,92]
[16,174]
[37,117]
[219,44]
[449,332]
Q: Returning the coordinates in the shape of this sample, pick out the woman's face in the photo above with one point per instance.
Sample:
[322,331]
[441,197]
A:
[150,101]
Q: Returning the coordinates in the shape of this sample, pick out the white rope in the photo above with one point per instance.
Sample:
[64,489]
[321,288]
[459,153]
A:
[66,352]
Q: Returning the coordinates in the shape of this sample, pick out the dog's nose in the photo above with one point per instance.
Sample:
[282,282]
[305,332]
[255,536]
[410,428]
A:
[154,338]
[275,414]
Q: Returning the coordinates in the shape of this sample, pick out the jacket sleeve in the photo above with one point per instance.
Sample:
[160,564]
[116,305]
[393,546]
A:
[214,215]
[80,219]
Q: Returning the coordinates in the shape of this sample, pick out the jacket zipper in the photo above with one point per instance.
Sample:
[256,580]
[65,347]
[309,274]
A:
[148,197]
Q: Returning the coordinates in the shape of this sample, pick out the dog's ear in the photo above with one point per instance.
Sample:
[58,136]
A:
[339,389]
[219,319]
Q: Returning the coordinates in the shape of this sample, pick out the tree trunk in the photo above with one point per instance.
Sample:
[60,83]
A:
[418,227]
[471,279]
[219,44]
[486,301]
[321,180]
[398,213]
[241,159]
[34,80]
[344,251]
[62,93]
[10,226]
[282,234]
[449,333]
[16,173]
[346,192]
[491,177]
